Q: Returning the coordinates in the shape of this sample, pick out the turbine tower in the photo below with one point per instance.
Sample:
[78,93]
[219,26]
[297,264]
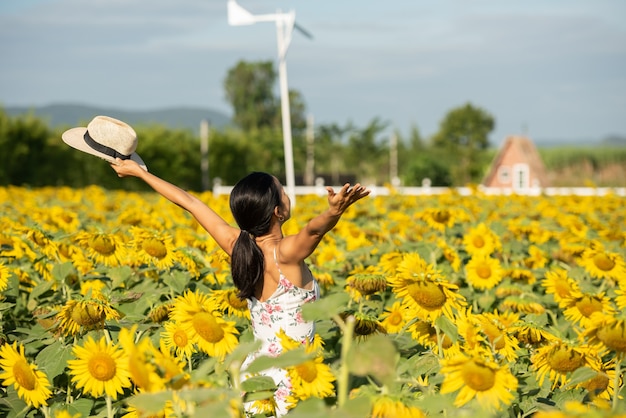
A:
[285,23]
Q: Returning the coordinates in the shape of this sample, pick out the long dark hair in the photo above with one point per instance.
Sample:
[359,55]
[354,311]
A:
[252,203]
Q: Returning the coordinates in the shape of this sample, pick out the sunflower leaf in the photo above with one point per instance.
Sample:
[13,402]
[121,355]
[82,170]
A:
[582,374]
[258,383]
[287,359]
[325,307]
[376,356]
[53,358]
[447,327]
[353,408]
[150,403]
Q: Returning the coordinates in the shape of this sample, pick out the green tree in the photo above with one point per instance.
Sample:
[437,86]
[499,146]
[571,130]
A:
[463,138]
[249,88]
[367,154]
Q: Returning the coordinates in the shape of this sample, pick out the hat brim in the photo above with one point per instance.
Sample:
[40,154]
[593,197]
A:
[75,138]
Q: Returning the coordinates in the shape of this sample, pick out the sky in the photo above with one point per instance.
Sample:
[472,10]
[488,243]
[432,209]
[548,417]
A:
[553,70]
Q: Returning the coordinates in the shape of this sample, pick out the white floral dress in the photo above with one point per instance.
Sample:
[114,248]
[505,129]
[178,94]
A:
[282,310]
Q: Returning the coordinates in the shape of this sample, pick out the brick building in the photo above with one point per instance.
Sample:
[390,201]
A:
[517,166]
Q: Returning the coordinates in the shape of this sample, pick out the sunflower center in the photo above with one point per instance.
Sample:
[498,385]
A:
[564,360]
[180,338]
[596,385]
[614,336]
[87,314]
[102,245]
[603,262]
[483,271]
[206,326]
[478,241]
[307,371]
[441,216]
[427,294]
[24,375]
[102,366]
[478,376]
[395,318]
[588,305]
[154,247]
[235,302]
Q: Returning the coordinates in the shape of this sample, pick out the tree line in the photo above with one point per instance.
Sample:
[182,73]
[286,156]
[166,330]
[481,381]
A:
[34,154]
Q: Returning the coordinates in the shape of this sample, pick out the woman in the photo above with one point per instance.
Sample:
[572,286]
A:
[267,267]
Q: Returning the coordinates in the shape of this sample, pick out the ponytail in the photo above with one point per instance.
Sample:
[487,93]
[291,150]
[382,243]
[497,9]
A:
[252,203]
[247,265]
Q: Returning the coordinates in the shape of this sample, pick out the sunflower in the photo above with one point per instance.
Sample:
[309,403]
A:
[450,255]
[536,258]
[287,343]
[480,240]
[477,376]
[10,246]
[94,286]
[366,284]
[423,290]
[498,333]
[603,264]
[199,317]
[160,313]
[83,315]
[100,368]
[4,276]
[425,334]
[557,359]
[518,274]
[64,413]
[228,303]
[440,219]
[560,285]
[107,249]
[608,332]
[139,356]
[602,385]
[484,272]
[366,324]
[579,307]
[532,334]
[31,384]
[153,248]
[43,242]
[387,406]
[521,304]
[313,378]
[178,340]
[389,261]
[393,319]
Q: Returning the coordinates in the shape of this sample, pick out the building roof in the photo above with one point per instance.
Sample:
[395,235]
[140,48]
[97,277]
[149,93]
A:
[524,151]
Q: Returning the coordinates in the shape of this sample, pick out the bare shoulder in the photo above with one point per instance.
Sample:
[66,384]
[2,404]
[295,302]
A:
[288,251]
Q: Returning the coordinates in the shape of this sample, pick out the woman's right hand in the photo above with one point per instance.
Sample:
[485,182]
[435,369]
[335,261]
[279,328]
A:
[125,168]
[345,197]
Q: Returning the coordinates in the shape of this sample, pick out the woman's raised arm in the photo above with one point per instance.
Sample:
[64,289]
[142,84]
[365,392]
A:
[224,234]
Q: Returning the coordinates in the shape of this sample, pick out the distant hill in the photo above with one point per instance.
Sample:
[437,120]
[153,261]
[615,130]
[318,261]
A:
[69,115]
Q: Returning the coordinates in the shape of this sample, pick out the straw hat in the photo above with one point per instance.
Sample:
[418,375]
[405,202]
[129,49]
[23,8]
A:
[106,138]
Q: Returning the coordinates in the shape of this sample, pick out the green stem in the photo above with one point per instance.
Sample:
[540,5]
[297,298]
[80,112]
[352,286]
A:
[109,407]
[616,379]
[344,373]
[439,341]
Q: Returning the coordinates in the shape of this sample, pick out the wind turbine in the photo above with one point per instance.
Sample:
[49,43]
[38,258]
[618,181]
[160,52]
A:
[285,23]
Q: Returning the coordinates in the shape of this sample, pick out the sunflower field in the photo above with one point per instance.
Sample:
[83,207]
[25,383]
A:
[117,304]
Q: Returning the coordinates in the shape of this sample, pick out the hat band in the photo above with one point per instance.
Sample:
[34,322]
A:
[103,148]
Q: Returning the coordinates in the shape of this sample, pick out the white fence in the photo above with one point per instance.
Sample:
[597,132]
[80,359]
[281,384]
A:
[319,189]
